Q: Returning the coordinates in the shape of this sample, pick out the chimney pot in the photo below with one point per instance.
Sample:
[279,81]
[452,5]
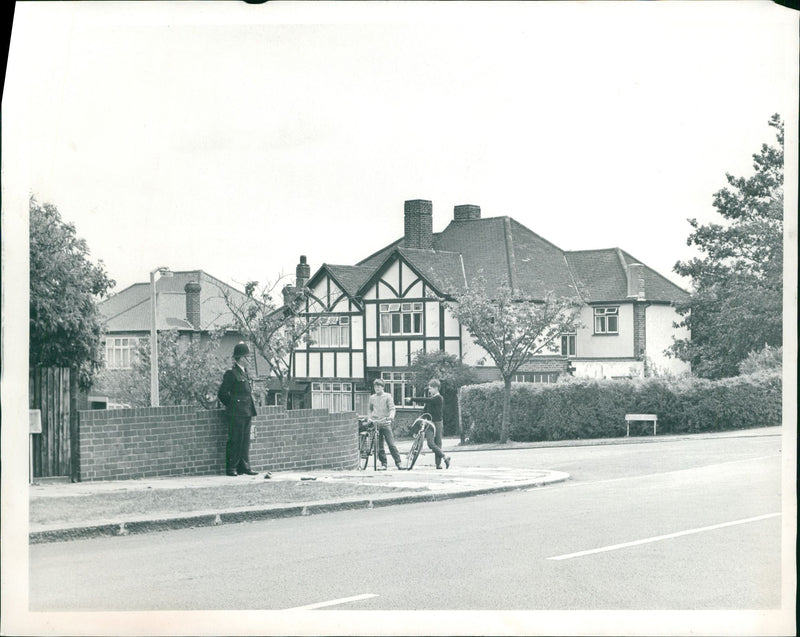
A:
[192,290]
[419,224]
[466,212]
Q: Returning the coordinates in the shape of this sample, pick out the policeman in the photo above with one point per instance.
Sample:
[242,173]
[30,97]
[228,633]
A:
[236,394]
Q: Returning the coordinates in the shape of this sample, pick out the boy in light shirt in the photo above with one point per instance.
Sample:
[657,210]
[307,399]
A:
[381,410]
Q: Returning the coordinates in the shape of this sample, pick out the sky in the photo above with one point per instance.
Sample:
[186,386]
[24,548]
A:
[233,138]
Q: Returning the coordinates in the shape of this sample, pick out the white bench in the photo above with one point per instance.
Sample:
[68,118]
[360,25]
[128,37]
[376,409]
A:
[639,418]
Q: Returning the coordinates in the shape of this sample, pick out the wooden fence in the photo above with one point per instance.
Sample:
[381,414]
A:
[53,391]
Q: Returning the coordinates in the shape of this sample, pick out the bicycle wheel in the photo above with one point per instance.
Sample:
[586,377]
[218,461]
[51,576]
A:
[364,440]
[416,448]
[368,442]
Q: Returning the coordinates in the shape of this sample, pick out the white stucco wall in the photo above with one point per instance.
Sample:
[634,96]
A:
[618,345]
[660,336]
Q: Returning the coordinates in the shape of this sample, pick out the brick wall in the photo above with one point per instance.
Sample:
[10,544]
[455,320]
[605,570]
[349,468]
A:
[639,330]
[121,444]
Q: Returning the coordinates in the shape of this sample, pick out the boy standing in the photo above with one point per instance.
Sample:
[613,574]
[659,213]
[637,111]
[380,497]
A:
[381,410]
[434,405]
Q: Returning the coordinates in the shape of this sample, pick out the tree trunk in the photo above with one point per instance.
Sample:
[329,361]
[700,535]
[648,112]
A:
[506,422]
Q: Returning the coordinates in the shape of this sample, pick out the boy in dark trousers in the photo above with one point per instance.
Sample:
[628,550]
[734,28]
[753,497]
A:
[434,405]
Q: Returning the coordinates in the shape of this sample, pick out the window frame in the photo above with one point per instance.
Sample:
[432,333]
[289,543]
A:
[322,334]
[571,341]
[118,351]
[404,381]
[602,317]
[400,318]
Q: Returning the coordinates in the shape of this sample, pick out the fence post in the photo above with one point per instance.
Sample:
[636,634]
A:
[460,423]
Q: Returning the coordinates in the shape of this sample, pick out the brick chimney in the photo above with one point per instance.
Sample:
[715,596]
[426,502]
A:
[289,293]
[302,273]
[466,212]
[419,224]
[192,290]
[636,281]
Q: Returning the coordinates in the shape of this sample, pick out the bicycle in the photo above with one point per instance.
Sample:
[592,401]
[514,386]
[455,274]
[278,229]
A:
[368,441]
[424,422]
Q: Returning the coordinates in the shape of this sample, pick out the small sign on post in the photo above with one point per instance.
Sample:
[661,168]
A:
[34,427]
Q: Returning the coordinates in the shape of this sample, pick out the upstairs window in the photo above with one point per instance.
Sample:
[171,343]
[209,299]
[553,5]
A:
[568,344]
[120,352]
[606,320]
[330,331]
[399,319]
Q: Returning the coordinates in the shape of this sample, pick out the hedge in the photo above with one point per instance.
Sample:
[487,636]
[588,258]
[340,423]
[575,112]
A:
[590,408]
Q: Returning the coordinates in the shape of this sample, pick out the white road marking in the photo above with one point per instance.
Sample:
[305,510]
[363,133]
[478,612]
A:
[658,538]
[334,602]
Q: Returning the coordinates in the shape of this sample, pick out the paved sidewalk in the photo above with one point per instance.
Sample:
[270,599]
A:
[423,483]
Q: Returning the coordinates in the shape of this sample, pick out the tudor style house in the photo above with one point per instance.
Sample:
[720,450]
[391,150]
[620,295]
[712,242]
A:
[374,316]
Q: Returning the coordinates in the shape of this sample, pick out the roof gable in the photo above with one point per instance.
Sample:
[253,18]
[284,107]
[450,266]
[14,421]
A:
[442,271]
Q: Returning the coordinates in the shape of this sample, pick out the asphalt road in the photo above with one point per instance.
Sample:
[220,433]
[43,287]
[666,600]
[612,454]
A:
[684,525]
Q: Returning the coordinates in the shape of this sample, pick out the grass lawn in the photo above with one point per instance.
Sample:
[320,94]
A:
[121,505]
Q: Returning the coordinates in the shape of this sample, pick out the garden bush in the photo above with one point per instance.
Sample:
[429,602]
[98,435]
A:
[590,408]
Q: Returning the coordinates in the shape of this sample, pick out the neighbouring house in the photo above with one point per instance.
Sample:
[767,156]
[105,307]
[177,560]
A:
[190,302]
[375,315]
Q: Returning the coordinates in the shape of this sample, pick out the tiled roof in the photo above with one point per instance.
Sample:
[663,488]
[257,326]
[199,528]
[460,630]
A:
[443,270]
[502,250]
[349,276]
[602,277]
[129,309]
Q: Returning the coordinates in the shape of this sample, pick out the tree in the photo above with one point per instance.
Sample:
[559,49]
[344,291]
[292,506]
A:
[452,374]
[512,330]
[736,303]
[189,371]
[274,331]
[65,286]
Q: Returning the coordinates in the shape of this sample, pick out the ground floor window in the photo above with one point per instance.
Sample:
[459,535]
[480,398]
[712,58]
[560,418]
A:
[400,386]
[535,377]
[334,397]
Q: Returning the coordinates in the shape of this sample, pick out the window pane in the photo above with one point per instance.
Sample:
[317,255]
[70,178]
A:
[384,307]
[611,310]
[418,307]
[612,323]
[345,336]
[397,393]
[417,323]
[386,323]
[344,320]
[396,323]
[406,307]
[406,323]
[394,307]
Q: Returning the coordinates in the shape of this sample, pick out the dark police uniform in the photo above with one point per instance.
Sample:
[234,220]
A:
[236,394]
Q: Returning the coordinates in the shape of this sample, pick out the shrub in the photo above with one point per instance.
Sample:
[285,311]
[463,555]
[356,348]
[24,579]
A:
[589,408]
[767,359]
